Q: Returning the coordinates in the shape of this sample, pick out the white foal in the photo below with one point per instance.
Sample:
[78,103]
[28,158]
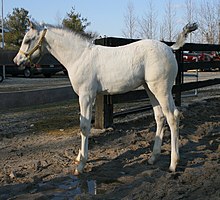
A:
[95,69]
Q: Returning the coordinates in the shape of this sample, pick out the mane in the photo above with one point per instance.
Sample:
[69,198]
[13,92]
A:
[70,34]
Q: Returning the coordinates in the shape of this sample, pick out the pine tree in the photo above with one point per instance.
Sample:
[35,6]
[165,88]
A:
[17,23]
[75,22]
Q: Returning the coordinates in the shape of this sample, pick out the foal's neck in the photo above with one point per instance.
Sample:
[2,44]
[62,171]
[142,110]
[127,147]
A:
[66,46]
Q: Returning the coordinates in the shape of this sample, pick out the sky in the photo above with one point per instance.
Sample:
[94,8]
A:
[106,16]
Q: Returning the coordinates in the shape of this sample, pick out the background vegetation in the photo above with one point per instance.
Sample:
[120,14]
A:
[17,24]
[205,12]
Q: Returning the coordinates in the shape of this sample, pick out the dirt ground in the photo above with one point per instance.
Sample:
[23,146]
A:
[38,145]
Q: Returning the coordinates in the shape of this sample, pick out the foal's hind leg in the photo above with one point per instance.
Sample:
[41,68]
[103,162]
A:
[164,97]
[160,120]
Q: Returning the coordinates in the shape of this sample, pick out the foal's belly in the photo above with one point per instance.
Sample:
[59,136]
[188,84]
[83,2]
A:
[118,87]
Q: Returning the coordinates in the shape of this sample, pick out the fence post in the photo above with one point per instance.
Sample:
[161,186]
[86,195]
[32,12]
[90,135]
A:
[179,77]
[103,111]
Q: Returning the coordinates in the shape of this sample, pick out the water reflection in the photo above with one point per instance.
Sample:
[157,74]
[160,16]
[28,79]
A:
[72,186]
[63,187]
[92,187]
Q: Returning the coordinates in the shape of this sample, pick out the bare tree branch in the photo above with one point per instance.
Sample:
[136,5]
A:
[209,19]
[169,22]
[130,21]
[148,23]
[190,14]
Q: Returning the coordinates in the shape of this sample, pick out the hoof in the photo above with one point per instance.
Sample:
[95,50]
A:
[76,162]
[153,159]
[76,172]
[172,168]
[150,161]
[174,164]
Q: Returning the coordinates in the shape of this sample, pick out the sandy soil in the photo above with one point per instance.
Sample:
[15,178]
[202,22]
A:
[38,144]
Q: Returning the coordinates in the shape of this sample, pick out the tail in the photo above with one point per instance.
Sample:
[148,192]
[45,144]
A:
[190,27]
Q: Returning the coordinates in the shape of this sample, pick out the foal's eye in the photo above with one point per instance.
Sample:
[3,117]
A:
[27,40]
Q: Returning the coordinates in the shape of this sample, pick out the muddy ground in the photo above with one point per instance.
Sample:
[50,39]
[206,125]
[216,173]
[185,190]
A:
[38,145]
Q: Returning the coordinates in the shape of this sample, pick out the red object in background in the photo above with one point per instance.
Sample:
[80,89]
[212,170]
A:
[191,57]
[198,56]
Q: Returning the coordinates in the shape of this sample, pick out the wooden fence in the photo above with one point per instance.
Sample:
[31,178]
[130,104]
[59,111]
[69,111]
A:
[104,103]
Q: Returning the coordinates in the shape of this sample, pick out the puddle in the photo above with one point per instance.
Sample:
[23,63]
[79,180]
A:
[66,187]
[71,186]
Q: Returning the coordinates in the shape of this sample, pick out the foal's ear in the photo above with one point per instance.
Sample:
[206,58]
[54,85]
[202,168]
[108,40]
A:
[32,24]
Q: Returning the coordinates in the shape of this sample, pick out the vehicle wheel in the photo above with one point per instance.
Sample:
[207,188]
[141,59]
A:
[47,75]
[1,78]
[27,73]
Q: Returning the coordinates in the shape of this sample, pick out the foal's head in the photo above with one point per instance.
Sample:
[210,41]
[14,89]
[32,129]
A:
[31,47]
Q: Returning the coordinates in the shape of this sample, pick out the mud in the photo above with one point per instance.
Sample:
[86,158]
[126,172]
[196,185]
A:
[38,145]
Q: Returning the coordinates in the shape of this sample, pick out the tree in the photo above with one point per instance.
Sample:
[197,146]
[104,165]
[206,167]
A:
[209,19]
[130,21]
[148,24]
[75,22]
[162,32]
[4,29]
[17,23]
[58,19]
[189,14]
[169,22]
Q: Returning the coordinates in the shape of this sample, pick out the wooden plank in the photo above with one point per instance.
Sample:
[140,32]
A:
[132,111]
[200,47]
[99,110]
[103,111]
[201,65]
[199,84]
[108,111]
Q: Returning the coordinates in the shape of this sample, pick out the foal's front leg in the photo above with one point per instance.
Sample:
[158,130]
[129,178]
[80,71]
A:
[85,102]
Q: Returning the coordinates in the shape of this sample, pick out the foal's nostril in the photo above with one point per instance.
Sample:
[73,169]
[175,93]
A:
[15,60]
[19,59]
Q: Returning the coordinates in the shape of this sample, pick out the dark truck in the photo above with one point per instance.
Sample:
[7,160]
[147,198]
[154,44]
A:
[47,66]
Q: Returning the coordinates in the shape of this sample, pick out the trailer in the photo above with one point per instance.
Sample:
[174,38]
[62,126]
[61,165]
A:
[47,65]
